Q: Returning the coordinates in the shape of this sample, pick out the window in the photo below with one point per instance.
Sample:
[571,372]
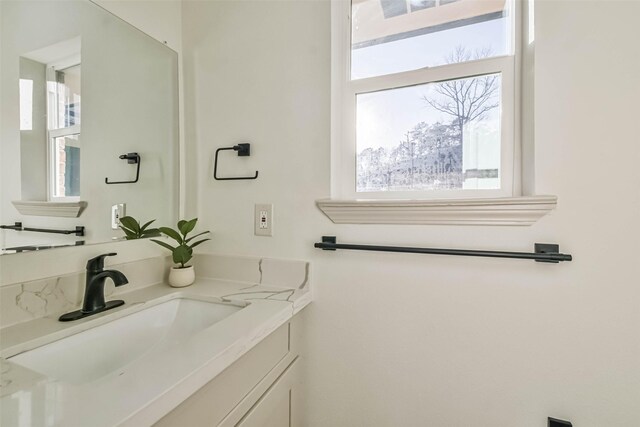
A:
[426,97]
[63,112]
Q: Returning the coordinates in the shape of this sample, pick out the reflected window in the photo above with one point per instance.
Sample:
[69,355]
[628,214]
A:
[66,166]
[64,112]
[64,97]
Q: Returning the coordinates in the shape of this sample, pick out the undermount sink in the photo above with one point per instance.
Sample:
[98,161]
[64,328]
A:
[96,352]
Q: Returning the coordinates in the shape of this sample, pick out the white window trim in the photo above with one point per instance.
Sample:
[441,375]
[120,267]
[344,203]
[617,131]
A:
[401,207]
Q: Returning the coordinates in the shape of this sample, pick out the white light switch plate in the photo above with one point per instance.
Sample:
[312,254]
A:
[263,220]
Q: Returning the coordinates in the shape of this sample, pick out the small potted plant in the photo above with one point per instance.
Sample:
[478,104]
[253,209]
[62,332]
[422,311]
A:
[182,274]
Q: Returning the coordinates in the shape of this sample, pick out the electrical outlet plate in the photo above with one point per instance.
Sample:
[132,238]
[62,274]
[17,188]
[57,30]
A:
[263,220]
[117,212]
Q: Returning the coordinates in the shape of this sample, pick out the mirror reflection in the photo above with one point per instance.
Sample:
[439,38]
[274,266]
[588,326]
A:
[89,125]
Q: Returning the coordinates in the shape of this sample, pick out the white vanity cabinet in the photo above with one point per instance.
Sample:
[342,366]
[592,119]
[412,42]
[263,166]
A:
[260,389]
[276,407]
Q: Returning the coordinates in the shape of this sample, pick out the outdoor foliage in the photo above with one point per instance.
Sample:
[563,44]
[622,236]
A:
[466,100]
[429,158]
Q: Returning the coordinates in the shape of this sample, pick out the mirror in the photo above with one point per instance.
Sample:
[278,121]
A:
[89,125]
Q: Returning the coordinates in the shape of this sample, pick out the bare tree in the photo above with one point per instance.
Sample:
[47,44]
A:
[466,99]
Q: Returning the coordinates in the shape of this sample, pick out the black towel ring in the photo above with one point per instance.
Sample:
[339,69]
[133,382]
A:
[132,159]
[243,150]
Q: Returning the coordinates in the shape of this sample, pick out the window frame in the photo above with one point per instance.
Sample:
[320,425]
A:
[344,98]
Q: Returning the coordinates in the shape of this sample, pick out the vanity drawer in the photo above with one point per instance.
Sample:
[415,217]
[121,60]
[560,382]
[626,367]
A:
[209,405]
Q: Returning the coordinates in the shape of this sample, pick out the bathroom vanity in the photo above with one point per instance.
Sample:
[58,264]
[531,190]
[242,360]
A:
[102,141]
[224,351]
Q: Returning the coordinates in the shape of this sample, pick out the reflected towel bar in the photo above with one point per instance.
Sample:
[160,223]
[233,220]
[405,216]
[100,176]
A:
[544,252]
[79,230]
[17,226]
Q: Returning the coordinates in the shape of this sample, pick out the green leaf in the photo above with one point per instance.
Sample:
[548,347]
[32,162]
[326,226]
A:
[130,223]
[182,254]
[152,232]
[146,225]
[198,242]
[187,226]
[171,233]
[130,234]
[193,237]
[163,244]
[181,223]
[127,231]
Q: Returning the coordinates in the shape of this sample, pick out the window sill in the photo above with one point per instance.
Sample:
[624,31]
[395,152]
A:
[518,211]
[57,209]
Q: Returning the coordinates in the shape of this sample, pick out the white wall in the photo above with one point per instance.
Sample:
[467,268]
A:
[411,340]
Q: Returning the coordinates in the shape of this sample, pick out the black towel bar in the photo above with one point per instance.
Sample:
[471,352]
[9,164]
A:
[544,252]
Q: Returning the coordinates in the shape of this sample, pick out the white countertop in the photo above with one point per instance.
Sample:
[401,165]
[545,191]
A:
[147,389]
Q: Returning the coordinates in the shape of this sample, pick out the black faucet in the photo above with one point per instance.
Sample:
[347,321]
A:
[94,290]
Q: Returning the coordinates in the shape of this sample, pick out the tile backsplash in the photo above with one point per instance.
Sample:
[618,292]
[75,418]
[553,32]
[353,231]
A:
[282,273]
[33,299]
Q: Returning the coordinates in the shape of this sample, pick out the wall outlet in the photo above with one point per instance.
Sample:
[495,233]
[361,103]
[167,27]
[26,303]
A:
[117,212]
[263,219]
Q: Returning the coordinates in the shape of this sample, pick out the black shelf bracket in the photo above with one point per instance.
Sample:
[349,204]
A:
[544,252]
[243,150]
[132,159]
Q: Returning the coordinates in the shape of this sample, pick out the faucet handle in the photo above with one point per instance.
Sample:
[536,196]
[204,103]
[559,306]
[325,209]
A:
[96,265]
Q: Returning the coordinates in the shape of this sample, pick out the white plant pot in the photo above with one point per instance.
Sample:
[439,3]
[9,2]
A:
[181,277]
